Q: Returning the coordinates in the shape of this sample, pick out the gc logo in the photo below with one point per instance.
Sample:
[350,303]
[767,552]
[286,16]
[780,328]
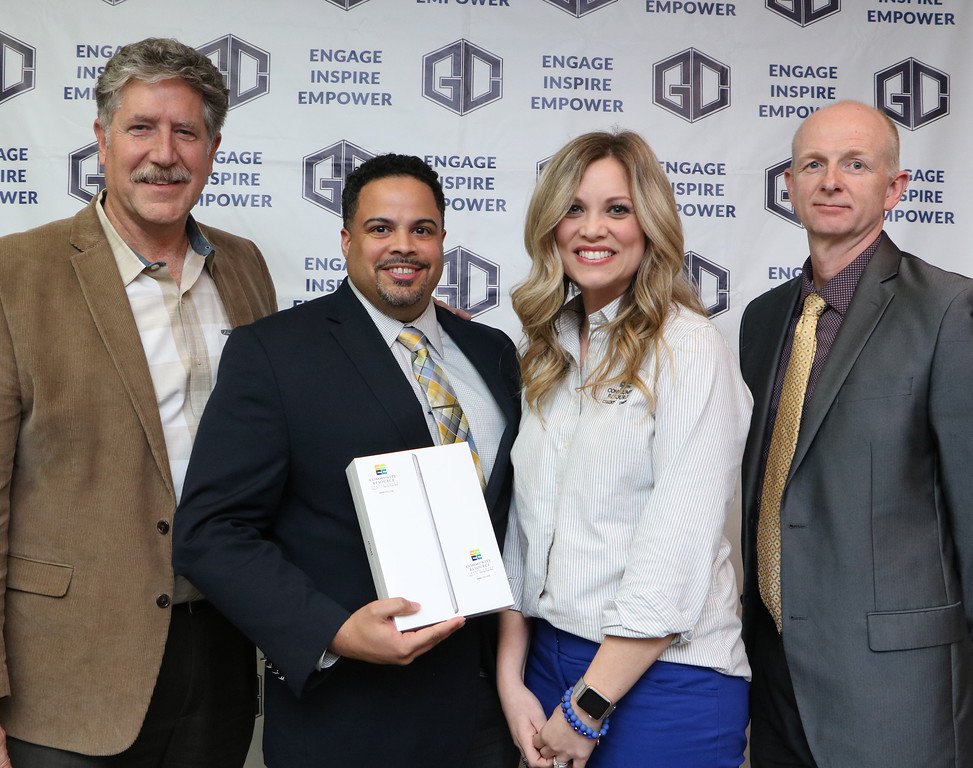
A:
[579,8]
[86,176]
[114,2]
[541,165]
[347,5]
[913,94]
[462,77]
[16,67]
[245,67]
[711,280]
[469,281]
[325,172]
[804,12]
[776,198]
[691,85]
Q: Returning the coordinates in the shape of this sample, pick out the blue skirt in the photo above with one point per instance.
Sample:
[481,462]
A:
[675,716]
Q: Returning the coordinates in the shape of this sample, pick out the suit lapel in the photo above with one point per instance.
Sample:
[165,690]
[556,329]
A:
[235,299]
[872,296]
[759,357]
[484,359]
[357,335]
[112,314]
[489,365]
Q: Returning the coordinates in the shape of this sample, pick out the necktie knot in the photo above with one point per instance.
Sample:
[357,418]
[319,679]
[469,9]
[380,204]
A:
[814,305]
[413,339]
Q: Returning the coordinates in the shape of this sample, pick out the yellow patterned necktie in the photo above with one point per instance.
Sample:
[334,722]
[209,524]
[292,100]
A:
[452,423]
[783,441]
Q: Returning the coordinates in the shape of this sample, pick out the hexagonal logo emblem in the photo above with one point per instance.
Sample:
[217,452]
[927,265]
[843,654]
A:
[776,198]
[541,165]
[579,8]
[16,67]
[462,77]
[804,12]
[711,280]
[912,93]
[244,66]
[469,281]
[86,175]
[691,85]
[325,172]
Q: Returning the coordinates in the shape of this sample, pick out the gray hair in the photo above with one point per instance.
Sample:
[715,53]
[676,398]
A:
[155,59]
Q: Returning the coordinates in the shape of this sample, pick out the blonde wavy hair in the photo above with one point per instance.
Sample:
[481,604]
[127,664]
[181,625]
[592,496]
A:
[658,288]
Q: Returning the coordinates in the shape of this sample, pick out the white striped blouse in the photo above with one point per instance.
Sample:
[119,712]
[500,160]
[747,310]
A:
[619,508]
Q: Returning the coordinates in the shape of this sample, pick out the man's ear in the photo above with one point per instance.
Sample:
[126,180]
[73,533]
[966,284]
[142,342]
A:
[897,187]
[102,137]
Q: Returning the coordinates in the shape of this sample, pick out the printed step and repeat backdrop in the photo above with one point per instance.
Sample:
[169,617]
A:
[485,91]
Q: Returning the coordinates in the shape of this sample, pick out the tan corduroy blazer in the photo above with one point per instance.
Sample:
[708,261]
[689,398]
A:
[85,484]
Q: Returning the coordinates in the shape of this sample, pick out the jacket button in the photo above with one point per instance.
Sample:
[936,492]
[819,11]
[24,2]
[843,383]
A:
[162,527]
[162,601]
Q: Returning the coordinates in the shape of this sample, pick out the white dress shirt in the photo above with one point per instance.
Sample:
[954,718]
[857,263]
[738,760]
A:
[617,522]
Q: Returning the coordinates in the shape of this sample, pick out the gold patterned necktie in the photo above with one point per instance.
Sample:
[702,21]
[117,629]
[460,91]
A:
[783,441]
[452,423]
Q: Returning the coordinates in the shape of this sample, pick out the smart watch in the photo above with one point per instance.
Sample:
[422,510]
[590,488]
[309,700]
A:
[591,701]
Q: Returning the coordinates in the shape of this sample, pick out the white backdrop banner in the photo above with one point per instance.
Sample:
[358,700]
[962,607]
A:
[485,91]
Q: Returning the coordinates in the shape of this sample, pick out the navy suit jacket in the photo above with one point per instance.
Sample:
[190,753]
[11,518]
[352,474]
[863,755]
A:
[267,529]
[876,518]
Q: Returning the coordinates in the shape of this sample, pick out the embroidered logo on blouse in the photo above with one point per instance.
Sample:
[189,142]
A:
[617,394]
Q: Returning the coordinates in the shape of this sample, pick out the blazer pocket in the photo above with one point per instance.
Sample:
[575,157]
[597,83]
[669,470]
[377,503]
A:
[875,389]
[920,628]
[37,576]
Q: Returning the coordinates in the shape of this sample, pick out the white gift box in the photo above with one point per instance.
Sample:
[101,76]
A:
[428,533]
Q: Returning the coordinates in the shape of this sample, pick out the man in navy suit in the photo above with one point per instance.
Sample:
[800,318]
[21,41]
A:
[267,528]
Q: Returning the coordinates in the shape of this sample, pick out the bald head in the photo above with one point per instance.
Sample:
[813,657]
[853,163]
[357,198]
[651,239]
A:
[842,180]
[847,111]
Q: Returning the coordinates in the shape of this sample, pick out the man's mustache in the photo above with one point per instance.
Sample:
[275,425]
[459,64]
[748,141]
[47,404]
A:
[156,174]
[401,261]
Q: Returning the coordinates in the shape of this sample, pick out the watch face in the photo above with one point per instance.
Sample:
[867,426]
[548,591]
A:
[593,703]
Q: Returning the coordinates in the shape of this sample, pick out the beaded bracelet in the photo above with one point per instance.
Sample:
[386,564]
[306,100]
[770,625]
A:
[575,722]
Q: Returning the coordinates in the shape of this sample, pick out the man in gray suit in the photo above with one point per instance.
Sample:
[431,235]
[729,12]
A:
[858,562]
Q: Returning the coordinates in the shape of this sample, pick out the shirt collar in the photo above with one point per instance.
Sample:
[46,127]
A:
[390,328]
[569,322]
[840,289]
[605,315]
[132,264]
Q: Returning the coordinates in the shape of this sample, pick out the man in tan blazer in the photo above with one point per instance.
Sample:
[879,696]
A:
[111,327]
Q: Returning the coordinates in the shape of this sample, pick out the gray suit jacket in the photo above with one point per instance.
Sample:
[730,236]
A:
[84,483]
[876,518]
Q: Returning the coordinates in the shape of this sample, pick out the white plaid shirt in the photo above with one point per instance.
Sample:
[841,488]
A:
[183,329]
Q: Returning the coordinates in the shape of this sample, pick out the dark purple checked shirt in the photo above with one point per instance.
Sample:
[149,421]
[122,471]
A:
[837,292]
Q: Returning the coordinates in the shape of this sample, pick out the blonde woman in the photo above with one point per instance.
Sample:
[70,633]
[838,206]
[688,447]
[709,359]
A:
[625,467]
